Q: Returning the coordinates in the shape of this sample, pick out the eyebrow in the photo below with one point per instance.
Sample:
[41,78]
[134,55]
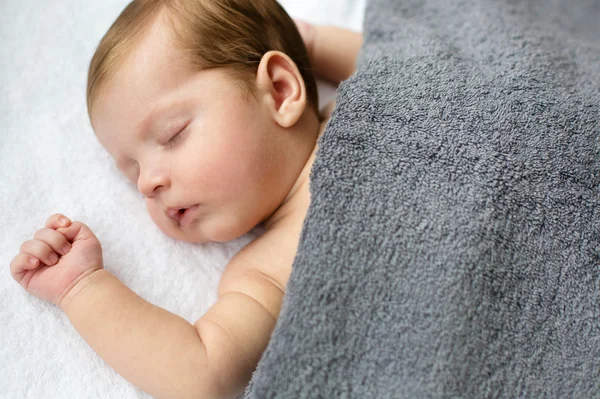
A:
[144,125]
[155,114]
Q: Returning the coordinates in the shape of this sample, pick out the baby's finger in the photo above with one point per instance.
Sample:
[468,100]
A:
[23,262]
[40,250]
[77,231]
[57,220]
[54,239]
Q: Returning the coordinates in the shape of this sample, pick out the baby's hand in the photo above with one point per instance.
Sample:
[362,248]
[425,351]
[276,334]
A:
[307,31]
[332,50]
[59,256]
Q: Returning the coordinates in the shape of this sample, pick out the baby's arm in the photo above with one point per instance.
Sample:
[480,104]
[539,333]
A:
[156,350]
[164,354]
[332,50]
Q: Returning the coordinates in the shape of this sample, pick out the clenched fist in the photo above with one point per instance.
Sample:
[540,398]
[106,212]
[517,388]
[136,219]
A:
[59,256]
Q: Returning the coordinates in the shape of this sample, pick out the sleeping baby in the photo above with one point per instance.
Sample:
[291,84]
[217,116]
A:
[210,108]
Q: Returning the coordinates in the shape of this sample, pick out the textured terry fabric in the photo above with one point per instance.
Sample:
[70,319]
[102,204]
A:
[451,248]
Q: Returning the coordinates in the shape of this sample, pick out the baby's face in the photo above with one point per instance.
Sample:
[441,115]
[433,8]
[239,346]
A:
[208,160]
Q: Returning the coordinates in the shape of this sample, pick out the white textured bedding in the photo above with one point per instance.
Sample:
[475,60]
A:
[50,162]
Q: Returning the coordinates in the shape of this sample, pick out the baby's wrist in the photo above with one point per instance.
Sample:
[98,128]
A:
[86,281]
[307,32]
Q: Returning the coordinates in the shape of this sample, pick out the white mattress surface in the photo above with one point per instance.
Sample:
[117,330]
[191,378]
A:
[50,162]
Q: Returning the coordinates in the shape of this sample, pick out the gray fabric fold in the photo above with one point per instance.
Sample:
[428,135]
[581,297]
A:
[452,244]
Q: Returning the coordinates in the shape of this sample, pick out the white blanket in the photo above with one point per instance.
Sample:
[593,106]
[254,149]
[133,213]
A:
[50,162]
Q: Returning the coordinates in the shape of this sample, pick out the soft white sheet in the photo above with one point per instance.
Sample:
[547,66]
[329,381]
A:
[50,162]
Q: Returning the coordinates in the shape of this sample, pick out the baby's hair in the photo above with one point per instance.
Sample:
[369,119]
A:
[234,34]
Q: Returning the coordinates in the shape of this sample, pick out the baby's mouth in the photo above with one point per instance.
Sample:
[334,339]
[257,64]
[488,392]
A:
[183,216]
[176,213]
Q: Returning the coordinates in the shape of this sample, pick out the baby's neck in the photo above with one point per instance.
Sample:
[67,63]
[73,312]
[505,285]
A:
[297,199]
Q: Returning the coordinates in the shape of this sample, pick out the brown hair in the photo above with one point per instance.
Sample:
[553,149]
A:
[213,33]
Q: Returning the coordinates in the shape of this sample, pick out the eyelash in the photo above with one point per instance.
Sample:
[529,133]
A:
[175,139]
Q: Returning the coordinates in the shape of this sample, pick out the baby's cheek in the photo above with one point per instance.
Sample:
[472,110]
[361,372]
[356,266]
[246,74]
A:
[158,217]
[228,226]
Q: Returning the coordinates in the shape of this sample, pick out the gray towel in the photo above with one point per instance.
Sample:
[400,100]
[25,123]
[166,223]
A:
[451,248]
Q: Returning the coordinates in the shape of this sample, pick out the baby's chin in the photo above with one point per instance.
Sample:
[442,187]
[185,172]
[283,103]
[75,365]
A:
[202,231]
[185,236]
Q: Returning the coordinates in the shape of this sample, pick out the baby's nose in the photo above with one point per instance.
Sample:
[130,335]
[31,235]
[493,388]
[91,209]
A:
[151,182]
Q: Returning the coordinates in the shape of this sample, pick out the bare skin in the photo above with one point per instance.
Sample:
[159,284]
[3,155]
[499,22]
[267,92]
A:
[156,350]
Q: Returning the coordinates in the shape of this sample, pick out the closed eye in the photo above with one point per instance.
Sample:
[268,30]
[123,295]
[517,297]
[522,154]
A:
[176,138]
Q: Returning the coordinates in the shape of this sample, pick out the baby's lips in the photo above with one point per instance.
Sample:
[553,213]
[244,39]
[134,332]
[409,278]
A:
[174,213]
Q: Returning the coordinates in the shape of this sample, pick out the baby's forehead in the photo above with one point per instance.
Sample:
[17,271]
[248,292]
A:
[151,54]
[137,84]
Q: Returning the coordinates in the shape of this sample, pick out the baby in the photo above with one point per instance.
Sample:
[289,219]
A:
[210,108]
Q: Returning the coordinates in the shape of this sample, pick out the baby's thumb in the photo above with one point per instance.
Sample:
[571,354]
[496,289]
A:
[77,231]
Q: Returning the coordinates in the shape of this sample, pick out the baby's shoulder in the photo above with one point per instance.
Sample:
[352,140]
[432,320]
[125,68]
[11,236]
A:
[268,258]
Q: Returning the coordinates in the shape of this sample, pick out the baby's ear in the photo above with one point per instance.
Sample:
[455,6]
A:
[282,87]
